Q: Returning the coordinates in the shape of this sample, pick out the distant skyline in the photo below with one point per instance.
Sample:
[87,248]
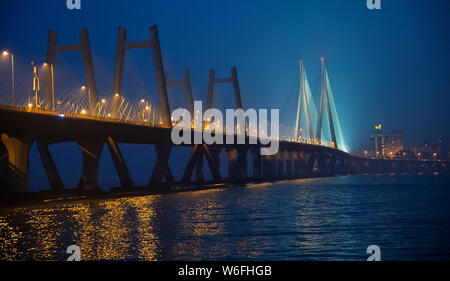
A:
[387,66]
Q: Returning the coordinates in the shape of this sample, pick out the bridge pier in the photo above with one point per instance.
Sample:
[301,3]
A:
[18,148]
[232,169]
[269,167]
[213,158]
[91,150]
[195,161]
[53,176]
[288,158]
[162,169]
[279,164]
[309,164]
[199,174]
[256,159]
[119,164]
[4,167]
[242,163]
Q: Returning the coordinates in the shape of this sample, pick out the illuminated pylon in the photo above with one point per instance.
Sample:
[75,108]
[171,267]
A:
[328,107]
[186,82]
[85,48]
[153,43]
[304,99]
[325,105]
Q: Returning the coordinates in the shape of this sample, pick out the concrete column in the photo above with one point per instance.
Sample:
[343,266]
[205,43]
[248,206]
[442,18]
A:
[18,156]
[118,70]
[268,166]
[119,163]
[280,164]
[4,167]
[50,168]
[161,169]
[199,174]
[256,157]
[85,47]
[164,107]
[91,150]
[242,169]
[309,164]
[287,155]
[50,60]
[213,158]
[232,173]
[194,162]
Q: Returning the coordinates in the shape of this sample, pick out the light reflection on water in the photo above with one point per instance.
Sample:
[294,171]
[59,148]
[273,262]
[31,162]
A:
[408,216]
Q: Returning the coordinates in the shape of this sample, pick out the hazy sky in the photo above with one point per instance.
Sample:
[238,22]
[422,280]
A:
[388,66]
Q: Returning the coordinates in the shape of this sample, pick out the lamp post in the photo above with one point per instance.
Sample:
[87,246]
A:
[6,53]
[36,87]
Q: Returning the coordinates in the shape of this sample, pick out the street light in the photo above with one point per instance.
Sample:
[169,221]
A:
[5,54]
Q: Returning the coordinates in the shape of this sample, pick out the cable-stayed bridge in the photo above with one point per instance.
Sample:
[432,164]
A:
[314,147]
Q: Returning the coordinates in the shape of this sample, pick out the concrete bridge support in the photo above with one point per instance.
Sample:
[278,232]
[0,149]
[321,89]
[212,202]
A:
[119,164]
[18,147]
[296,164]
[280,164]
[232,166]
[310,164]
[199,173]
[213,158]
[84,47]
[287,155]
[162,169]
[91,150]
[53,176]
[242,163]
[269,167]
[195,158]
[256,159]
[4,167]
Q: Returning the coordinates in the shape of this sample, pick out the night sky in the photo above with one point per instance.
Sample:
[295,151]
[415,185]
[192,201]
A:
[387,66]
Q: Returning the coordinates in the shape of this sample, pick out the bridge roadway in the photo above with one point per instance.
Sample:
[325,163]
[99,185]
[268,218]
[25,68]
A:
[20,127]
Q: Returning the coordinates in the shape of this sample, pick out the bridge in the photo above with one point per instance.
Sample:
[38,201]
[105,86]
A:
[314,147]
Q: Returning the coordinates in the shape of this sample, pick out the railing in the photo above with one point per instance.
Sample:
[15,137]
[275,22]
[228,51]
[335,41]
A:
[63,114]
[79,116]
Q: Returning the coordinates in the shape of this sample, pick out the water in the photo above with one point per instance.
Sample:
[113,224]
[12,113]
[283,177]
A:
[407,216]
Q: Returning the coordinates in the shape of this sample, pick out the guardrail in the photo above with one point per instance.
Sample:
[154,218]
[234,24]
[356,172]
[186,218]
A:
[78,116]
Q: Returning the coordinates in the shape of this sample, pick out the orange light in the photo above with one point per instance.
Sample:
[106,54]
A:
[83,88]
[5,53]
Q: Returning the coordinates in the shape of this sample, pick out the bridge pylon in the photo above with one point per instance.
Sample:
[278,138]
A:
[85,48]
[303,104]
[154,44]
[325,105]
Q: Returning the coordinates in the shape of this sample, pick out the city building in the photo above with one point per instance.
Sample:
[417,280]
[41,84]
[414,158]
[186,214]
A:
[385,145]
[392,144]
[376,142]
[430,150]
